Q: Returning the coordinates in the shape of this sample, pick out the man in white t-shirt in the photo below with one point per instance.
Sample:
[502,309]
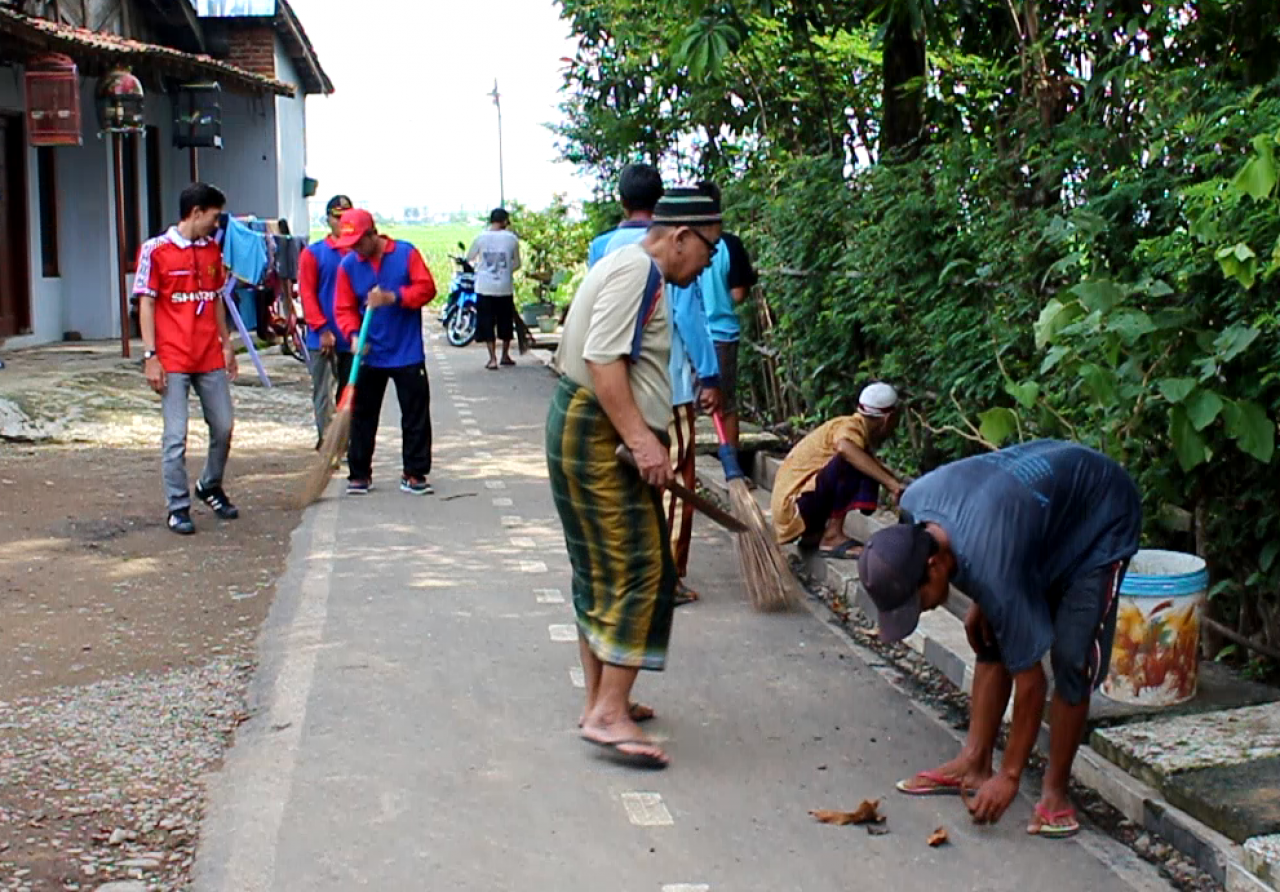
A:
[496,255]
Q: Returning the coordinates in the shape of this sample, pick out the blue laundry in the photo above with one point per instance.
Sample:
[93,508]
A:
[245,252]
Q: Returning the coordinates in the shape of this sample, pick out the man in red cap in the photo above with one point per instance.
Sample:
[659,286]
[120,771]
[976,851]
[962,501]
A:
[390,280]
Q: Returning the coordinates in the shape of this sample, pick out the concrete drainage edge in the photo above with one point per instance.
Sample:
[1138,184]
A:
[1212,852]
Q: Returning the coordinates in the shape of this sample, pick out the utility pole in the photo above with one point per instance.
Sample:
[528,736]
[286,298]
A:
[502,187]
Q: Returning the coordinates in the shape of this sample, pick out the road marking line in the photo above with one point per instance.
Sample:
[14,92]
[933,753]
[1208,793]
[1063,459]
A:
[686,887]
[577,678]
[533,567]
[563,633]
[549,595]
[473,432]
[487,456]
[523,542]
[502,503]
[647,810]
[511,521]
[495,484]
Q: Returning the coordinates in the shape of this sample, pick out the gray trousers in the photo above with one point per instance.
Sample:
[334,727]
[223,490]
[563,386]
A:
[322,388]
[214,391]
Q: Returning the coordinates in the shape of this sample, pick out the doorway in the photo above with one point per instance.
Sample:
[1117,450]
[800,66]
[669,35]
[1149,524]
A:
[15,288]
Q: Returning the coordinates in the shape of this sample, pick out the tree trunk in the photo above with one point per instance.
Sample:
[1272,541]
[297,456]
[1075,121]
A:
[904,61]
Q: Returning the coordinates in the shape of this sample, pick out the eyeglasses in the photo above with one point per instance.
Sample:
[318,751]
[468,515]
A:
[337,213]
[712,247]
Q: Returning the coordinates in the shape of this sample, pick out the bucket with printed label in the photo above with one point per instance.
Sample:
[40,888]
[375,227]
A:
[1155,658]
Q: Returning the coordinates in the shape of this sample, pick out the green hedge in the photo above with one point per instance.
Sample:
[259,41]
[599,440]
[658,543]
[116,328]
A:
[1135,311]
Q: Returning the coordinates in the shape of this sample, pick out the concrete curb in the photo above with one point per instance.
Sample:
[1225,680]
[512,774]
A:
[941,641]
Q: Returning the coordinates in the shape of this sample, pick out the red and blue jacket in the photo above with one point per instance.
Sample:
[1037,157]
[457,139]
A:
[317,283]
[395,332]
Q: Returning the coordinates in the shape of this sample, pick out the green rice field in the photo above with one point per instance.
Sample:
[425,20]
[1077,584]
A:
[437,243]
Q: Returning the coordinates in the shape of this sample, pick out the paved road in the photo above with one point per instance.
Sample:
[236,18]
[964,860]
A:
[417,704]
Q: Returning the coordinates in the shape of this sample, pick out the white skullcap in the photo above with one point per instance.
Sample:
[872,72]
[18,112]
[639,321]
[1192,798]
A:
[877,400]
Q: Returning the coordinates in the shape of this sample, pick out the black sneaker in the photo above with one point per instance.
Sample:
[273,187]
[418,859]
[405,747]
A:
[359,487]
[216,499]
[180,522]
[416,486]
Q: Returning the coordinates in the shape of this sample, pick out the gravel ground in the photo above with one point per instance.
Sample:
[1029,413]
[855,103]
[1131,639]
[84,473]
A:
[126,651]
[112,773]
[935,691]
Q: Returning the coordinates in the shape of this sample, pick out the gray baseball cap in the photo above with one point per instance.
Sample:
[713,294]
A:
[891,569]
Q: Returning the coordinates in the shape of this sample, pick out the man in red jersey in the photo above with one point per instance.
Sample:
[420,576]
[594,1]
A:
[187,346]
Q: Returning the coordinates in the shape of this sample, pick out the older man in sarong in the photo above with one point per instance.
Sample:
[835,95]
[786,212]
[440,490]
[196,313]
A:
[615,390]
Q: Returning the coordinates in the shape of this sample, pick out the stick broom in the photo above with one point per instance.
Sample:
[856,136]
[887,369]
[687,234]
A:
[339,429]
[770,583]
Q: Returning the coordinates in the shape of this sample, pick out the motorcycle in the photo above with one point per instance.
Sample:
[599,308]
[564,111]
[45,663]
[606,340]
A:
[459,314]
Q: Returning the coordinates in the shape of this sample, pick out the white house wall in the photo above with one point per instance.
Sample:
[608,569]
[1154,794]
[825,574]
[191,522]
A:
[82,298]
[291,146]
[260,168]
[47,307]
[175,164]
[46,294]
[245,168]
[87,229]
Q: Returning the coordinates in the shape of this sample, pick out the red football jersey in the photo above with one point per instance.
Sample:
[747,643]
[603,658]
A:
[185,278]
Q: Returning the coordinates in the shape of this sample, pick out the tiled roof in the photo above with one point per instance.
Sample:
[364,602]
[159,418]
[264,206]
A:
[314,78]
[80,42]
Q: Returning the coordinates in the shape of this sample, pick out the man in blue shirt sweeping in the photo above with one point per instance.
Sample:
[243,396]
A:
[389,279]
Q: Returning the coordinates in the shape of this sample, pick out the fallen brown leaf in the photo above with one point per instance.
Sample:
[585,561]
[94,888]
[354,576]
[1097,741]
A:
[866,813]
[938,837]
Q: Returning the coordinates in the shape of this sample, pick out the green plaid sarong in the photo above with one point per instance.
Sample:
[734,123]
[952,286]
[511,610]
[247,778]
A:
[624,578]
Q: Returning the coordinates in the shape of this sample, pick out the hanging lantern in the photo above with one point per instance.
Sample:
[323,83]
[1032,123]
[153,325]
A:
[53,101]
[121,102]
[197,117]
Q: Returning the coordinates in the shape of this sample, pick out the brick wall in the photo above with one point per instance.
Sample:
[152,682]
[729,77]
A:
[253,48]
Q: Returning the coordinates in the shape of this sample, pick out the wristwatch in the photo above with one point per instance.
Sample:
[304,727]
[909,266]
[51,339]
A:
[148,354]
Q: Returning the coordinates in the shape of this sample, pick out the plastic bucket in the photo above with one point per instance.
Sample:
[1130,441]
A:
[1155,656]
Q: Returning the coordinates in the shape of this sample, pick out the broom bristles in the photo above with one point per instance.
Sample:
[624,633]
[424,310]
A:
[771,586]
[331,449]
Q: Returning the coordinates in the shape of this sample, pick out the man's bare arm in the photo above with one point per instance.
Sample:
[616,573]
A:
[612,385]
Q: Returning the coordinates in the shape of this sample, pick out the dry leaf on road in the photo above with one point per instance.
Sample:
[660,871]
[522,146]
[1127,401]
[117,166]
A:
[938,837]
[867,813]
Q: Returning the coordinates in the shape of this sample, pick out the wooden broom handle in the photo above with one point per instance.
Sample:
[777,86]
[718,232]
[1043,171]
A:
[704,506]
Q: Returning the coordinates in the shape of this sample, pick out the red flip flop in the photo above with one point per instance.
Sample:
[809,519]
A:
[1055,825]
[938,785]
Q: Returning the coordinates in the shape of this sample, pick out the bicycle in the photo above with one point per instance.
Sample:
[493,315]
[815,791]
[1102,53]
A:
[287,321]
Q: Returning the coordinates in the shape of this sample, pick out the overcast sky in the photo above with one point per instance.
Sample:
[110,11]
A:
[410,124]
